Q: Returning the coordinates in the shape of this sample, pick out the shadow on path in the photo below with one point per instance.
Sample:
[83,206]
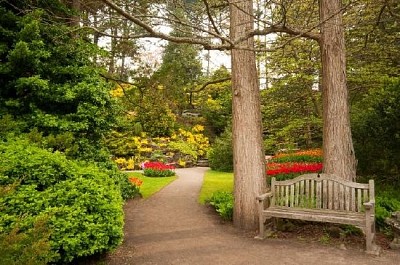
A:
[172,228]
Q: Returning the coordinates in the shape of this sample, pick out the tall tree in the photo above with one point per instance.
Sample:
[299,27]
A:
[248,155]
[339,157]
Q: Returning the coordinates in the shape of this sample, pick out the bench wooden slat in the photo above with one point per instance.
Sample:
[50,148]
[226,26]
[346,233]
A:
[359,200]
[330,194]
[365,196]
[325,194]
[316,215]
[347,198]
[318,195]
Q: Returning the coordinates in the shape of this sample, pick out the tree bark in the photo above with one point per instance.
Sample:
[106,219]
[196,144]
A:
[248,154]
[339,157]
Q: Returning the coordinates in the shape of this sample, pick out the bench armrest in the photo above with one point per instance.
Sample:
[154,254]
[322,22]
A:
[369,205]
[262,197]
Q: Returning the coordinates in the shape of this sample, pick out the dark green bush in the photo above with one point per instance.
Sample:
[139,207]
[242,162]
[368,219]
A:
[223,203]
[83,204]
[375,129]
[220,157]
[385,205]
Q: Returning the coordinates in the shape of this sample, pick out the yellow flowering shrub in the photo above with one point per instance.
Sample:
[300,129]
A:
[184,147]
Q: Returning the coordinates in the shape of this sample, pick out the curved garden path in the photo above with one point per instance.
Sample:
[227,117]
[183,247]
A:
[172,228]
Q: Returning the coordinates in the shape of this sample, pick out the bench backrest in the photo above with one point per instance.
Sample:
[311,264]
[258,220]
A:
[321,191]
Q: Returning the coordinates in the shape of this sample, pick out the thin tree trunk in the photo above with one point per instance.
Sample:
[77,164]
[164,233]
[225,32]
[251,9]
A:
[249,164]
[338,149]
[76,6]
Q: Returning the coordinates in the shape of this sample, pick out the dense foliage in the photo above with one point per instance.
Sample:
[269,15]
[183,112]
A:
[220,156]
[82,203]
[66,196]
[376,127]
[223,203]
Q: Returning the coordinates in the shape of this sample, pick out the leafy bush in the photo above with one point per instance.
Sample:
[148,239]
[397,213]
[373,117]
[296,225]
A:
[127,188]
[223,203]
[220,157]
[83,204]
[375,129]
[30,247]
[158,169]
[184,148]
[385,205]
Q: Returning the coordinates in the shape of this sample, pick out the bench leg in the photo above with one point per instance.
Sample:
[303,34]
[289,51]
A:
[261,229]
[371,247]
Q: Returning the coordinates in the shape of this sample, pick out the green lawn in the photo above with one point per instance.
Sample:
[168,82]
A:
[151,185]
[215,181]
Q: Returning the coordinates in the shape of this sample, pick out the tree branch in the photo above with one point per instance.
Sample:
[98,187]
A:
[154,34]
[205,85]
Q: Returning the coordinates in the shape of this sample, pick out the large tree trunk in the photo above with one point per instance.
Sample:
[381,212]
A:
[338,149]
[249,164]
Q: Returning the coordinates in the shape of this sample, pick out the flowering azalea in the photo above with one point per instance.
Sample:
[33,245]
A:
[135,181]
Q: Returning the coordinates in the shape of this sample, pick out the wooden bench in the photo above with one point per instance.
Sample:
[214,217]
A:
[321,198]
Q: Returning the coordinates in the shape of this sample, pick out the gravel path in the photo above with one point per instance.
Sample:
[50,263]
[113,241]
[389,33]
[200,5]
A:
[172,228]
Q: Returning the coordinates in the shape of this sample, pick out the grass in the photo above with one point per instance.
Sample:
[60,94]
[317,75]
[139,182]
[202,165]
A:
[151,185]
[215,181]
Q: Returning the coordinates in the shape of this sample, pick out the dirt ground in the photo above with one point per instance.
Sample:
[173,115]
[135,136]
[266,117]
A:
[172,228]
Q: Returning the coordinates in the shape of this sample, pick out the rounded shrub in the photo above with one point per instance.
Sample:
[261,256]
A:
[83,204]
[220,156]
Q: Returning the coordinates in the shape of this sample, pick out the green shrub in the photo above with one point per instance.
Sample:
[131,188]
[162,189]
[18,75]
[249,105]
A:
[184,148]
[31,247]
[150,172]
[220,157]
[127,189]
[375,129]
[223,203]
[384,207]
[83,204]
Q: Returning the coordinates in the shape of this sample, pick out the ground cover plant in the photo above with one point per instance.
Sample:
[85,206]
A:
[149,185]
[217,190]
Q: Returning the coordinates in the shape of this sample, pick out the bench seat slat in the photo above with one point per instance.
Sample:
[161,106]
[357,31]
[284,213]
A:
[331,216]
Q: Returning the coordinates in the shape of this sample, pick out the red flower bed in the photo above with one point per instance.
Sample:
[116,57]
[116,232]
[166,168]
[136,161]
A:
[157,166]
[157,169]
[290,168]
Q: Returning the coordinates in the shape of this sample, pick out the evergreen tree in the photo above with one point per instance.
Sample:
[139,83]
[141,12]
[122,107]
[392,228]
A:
[49,81]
